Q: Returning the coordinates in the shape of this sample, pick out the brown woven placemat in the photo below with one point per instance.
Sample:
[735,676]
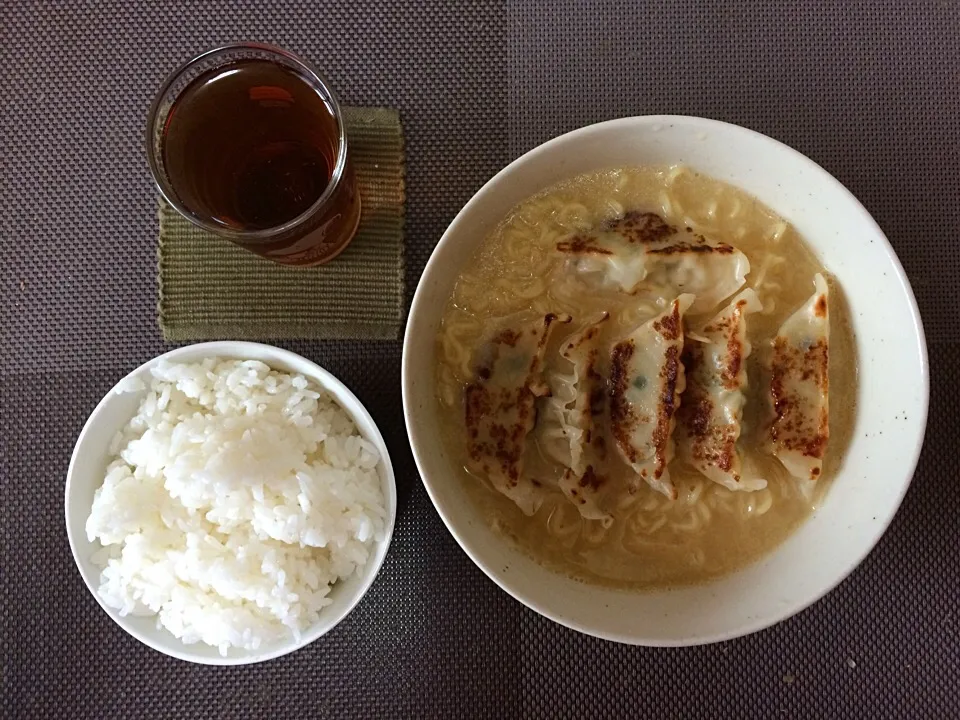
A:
[211,289]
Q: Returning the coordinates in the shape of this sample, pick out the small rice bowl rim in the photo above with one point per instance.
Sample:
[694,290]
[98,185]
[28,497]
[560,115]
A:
[88,463]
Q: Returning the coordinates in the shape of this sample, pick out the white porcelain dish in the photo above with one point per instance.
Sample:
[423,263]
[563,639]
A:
[892,396]
[87,469]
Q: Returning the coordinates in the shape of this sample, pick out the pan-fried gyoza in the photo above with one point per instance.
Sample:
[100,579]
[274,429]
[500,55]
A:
[633,375]
[499,407]
[712,407]
[799,386]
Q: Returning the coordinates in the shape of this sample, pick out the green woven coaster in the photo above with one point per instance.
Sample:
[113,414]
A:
[210,289]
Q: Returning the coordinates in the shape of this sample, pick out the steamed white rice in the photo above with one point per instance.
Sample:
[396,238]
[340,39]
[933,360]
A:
[235,498]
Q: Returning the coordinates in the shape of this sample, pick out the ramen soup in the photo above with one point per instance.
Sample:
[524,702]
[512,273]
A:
[633,373]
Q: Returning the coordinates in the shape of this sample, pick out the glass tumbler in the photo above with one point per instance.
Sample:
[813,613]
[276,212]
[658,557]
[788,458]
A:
[248,142]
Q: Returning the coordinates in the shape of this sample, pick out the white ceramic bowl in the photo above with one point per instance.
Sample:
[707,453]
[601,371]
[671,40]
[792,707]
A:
[87,469]
[892,393]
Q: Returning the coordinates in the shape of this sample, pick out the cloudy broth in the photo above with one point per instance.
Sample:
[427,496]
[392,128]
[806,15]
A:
[708,530]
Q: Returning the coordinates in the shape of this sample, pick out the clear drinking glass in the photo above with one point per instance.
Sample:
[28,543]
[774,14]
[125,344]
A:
[248,142]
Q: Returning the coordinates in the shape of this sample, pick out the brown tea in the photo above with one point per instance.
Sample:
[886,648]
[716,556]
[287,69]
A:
[250,144]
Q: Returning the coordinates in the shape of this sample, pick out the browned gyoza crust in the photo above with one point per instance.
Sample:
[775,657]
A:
[793,429]
[641,228]
[714,444]
[623,418]
[799,387]
[500,404]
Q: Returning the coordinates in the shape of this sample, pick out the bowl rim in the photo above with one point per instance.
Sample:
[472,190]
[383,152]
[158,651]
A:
[236,349]
[836,187]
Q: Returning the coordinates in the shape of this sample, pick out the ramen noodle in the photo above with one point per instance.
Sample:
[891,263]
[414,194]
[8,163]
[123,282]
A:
[633,375]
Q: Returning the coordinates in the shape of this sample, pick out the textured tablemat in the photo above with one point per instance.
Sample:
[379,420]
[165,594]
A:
[867,89]
[211,289]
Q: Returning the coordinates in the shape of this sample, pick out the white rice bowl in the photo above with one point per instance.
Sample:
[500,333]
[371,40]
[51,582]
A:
[235,498]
